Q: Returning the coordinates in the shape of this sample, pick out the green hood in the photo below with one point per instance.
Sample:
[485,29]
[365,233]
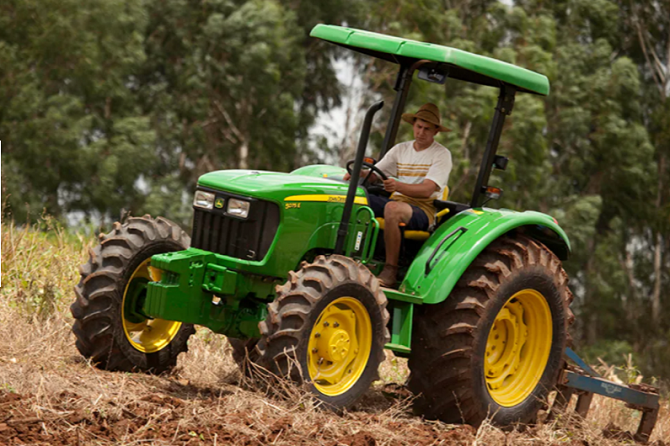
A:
[272,185]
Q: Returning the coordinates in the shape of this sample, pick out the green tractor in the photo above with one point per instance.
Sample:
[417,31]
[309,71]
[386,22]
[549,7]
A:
[283,264]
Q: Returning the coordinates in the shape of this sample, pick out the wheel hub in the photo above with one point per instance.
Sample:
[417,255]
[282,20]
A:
[144,334]
[503,349]
[518,347]
[339,346]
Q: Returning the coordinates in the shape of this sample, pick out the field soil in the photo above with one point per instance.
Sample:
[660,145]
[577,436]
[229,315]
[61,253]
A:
[50,395]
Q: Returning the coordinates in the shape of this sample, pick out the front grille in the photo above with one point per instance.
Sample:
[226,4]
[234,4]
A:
[247,239]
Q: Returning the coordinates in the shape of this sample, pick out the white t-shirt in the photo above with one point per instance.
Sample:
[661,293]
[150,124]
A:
[412,166]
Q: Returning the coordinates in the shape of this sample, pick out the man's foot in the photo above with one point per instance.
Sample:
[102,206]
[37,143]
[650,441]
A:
[387,278]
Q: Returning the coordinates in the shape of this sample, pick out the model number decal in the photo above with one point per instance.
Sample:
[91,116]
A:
[292,205]
[359,237]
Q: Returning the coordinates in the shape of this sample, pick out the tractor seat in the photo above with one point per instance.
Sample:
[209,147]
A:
[415,235]
[443,208]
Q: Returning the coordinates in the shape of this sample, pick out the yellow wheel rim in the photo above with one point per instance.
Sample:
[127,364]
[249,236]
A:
[150,335]
[339,346]
[518,347]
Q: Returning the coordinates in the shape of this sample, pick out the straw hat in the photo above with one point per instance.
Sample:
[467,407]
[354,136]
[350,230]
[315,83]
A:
[429,113]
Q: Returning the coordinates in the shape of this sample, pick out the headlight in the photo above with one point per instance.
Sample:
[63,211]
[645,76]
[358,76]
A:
[203,199]
[238,208]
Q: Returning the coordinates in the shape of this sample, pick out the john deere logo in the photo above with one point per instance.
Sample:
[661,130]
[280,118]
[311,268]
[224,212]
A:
[218,203]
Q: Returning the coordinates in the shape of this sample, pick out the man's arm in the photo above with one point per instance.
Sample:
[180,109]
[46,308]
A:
[422,190]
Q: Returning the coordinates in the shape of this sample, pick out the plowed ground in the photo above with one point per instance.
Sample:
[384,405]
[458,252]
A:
[50,399]
[160,420]
[49,395]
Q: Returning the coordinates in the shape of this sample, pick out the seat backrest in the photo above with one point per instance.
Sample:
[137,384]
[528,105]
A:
[445,193]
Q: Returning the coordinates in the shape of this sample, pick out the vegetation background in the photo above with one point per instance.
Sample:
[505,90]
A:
[116,106]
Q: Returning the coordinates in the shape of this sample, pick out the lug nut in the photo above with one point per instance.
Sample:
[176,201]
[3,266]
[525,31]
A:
[325,324]
[314,350]
[336,325]
[317,335]
[320,361]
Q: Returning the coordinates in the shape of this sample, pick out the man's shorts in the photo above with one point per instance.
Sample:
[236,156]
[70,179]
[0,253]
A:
[418,222]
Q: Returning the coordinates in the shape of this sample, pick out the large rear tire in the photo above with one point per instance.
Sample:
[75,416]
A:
[327,329]
[494,348]
[107,326]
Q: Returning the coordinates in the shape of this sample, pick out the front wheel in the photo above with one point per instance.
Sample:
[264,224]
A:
[327,328]
[109,326]
[494,347]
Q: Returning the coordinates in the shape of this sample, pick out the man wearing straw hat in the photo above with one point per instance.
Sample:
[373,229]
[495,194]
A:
[421,168]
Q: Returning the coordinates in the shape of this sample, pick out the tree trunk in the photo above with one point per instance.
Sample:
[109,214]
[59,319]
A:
[244,155]
[658,249]
[589,304]
[656,296]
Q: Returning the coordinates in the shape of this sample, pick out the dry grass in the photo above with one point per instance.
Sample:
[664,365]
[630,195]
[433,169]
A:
[49,395]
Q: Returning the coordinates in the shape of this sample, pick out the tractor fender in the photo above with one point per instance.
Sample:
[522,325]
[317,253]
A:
[449,251]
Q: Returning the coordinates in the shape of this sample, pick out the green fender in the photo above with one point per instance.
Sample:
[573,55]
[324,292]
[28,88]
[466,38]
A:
[449,251]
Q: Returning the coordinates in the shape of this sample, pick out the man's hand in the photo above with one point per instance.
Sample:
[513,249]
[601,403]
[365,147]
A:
[390,185]
[346,176]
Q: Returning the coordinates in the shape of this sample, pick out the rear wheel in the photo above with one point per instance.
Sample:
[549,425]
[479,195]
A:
[494,347]
[327,328]
[108,326]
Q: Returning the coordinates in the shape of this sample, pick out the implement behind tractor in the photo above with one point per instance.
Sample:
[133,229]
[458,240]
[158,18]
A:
[581,380]
[284,265]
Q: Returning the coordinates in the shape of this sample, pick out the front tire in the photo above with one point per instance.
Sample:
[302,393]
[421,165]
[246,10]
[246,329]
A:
[327,328]
[107,326]
[494,348]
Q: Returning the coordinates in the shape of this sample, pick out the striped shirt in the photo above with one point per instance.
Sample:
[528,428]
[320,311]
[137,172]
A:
[412,166]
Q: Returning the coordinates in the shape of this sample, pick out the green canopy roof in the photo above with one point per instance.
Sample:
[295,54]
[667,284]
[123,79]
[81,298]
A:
[459,64]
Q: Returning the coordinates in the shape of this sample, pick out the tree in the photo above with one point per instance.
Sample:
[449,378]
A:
[68,113]
[123,104]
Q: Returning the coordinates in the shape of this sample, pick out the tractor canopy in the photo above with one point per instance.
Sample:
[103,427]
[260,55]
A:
[452,62]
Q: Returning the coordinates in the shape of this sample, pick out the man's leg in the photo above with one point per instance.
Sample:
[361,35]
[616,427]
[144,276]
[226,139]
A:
[394,213]
[377,204]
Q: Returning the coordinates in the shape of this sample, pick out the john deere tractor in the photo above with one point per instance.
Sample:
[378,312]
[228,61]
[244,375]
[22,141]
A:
[283,265]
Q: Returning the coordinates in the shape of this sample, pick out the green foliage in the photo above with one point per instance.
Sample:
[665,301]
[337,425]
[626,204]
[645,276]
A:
[68,102]
[120,105]
[610,352]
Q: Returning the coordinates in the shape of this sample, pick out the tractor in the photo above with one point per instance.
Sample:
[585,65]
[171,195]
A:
[284,265]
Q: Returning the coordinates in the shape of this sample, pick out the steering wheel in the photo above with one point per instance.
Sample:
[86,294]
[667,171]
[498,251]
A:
[370,166]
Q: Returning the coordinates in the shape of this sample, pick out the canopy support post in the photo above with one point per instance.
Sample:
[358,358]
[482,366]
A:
[402,84]
[503,109]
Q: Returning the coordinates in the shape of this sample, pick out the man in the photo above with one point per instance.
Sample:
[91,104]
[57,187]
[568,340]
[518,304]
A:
[422,170]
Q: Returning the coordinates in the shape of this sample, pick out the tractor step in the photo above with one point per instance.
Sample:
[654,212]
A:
[583,381]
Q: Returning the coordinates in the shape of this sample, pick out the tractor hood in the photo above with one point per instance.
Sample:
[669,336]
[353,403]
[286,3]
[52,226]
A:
[276,186]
